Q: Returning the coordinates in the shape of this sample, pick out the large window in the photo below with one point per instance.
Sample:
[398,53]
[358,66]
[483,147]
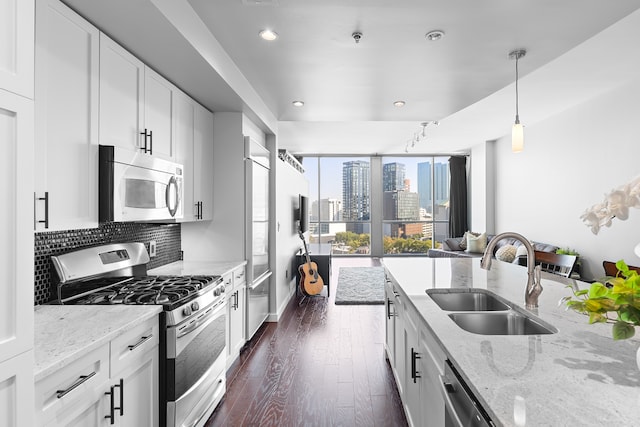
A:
[415,203]
[396,205]
[340,202]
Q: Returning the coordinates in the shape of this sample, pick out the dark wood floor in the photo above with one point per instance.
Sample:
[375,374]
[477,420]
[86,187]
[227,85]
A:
[321,365]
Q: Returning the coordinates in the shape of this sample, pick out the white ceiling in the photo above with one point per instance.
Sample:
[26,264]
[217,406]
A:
[464,80]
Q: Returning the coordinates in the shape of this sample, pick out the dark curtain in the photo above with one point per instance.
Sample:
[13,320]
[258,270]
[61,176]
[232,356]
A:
[458,196]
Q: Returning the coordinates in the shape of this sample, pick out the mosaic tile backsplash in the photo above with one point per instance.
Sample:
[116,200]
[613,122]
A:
[167,237]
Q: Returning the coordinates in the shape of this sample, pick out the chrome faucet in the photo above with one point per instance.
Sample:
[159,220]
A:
[534,288]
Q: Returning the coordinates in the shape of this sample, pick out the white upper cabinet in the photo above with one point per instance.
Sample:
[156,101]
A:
[16,46]
[67,62]
[194,147]
[158,106]
[121,96]
[203,161]
[184,109]
[136,103]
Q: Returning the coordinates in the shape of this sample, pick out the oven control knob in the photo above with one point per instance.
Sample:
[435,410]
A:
[195,306]
[186,311]
[216,292]
[222,289]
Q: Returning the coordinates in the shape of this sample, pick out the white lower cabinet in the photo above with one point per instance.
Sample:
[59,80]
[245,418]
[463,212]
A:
[390,322]
[399,345]
[236,301]
[416,358]
[114,384]
[412,374]
[16,390]
[431,367]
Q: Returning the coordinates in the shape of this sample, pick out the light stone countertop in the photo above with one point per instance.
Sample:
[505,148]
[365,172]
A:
[183,268]
[578,376]
[64,333]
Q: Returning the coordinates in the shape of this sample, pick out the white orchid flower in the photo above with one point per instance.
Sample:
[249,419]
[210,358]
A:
[617,204]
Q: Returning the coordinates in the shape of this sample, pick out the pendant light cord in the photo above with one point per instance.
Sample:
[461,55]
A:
[517,114]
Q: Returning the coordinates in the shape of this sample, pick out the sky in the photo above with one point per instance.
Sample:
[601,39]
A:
[332,173]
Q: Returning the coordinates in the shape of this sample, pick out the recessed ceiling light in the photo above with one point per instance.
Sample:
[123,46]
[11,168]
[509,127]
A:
[399,104]
[298,103]
[268,35]
[434,35]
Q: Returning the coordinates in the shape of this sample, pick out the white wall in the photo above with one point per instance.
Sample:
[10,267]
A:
[290,183]
[481,188]
[569,162]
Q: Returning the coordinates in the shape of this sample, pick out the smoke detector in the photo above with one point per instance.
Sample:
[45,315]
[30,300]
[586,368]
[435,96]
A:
[357,35]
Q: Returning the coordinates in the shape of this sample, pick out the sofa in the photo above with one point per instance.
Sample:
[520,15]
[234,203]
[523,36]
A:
[451,249]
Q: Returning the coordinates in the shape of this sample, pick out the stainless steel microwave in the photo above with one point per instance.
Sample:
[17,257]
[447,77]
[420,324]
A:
[138,187]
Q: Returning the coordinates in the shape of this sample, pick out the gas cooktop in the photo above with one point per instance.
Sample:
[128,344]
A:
[168,291]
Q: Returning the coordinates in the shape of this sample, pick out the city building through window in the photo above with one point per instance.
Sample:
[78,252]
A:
[379,205]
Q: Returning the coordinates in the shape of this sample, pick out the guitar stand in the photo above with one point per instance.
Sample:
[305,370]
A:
[304,297]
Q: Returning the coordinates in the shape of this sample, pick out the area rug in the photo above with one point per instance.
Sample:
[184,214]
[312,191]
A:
[360,285]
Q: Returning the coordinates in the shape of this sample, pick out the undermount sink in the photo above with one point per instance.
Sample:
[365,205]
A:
[467,299]
[501,323]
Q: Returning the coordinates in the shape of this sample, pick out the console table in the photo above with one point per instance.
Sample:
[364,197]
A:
[320,253]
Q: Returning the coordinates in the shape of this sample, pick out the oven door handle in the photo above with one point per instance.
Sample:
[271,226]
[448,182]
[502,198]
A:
[208,317]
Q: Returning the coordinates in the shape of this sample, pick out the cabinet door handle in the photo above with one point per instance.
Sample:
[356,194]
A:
[414,373]
[121,387]
[151,142]
[45,221]
[144,147]
[112,406]
[139,343]
[82,379]
[389,314]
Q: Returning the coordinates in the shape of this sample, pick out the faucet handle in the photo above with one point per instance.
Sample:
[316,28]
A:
[537,273]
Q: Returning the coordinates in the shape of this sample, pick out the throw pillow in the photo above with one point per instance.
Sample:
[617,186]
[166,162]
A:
[454,244]
[463,241]
[476,244]
[507,253]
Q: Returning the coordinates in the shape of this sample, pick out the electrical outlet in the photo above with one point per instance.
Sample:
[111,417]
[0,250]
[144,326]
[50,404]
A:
[152,248]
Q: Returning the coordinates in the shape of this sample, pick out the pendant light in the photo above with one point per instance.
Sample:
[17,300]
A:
[517,133]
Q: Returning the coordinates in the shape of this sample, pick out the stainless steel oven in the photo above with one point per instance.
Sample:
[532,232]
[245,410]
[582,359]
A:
[193,322]
[195,365]
[137,187]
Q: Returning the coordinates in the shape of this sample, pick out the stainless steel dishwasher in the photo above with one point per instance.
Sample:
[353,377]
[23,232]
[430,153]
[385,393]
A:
[462,409]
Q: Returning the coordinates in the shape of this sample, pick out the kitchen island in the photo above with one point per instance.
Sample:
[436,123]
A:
[577,376]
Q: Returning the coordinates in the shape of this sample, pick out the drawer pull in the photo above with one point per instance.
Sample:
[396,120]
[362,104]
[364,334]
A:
[79,381]
[139,343]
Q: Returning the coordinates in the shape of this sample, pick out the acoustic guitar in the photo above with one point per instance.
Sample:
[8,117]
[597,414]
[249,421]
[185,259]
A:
[310,281]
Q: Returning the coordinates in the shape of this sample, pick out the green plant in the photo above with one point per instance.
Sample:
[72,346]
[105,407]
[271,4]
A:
[567,251]
[619,295]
